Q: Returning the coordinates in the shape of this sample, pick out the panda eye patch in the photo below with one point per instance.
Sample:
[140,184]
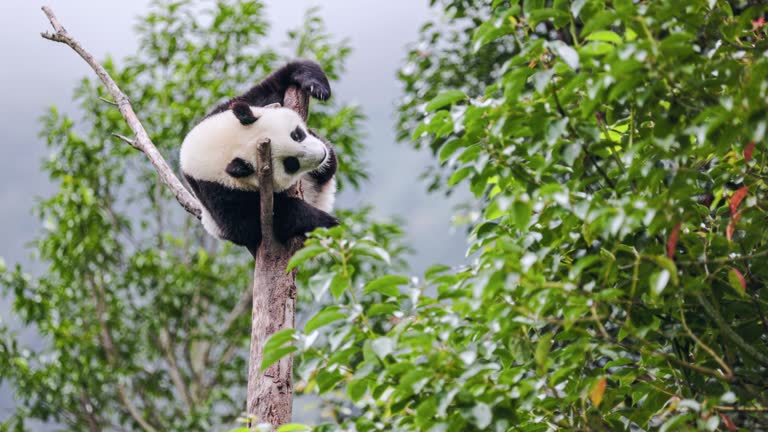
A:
[291,164]
[298,134]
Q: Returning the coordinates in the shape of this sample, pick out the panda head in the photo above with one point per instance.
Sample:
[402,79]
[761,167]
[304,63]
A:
[223,147]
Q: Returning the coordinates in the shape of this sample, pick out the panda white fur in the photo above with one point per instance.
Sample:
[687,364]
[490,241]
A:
[218,160]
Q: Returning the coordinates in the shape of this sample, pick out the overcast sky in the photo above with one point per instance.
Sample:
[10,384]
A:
[37,73]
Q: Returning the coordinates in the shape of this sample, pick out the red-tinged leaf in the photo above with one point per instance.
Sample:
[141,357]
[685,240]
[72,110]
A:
[737,281]
[728,423]
[748,151]
[672,242]
[737,198]
[597,392]
[732,225]
[758,24]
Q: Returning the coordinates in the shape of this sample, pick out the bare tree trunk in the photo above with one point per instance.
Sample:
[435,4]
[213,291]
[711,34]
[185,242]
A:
[270,394]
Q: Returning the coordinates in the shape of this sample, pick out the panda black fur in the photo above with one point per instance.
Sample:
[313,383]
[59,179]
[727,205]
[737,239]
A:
[218,160]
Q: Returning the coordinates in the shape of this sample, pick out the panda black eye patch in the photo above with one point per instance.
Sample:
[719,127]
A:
[291,164]
[298,134]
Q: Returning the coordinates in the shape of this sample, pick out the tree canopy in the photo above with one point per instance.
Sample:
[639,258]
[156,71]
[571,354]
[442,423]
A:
[616,152]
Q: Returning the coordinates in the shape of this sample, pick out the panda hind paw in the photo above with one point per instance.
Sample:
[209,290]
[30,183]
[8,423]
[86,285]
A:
[311,78]
[318,89]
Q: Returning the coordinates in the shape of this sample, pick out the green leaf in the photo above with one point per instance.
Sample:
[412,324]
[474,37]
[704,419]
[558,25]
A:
[668,265]
[659,281]
[542,350]
[604,36]
[599,21]
[569,55]
[460,175]
[274,349]
[356,389]
[293,427]
[522,212]
[532,6]
[280,337]
[435,270]
[339,284]
[446,98]
[373,251]
[596,49]
[576,7]
[386,285]
[495,28]
[304,254]
[450,148]
[324,317]
[382,309]
[382,346]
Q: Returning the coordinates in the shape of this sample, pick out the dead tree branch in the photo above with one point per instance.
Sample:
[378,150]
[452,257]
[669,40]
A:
[142,142]
[273,298]
[270,394]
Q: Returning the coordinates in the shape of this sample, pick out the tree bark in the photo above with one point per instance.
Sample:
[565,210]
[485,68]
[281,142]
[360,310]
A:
[270,394]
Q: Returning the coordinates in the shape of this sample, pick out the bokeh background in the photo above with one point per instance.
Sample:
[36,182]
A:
[37,73]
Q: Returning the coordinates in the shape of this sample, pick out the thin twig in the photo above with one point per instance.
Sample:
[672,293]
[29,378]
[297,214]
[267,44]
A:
[112,355]
[266,190]
[142,141]
[724,260]
[570,127]
[132,142]
[103,99]
[705,347]
[741,409]
[88,412]
[270,392]
[166,346]
[241,307]
[730,333]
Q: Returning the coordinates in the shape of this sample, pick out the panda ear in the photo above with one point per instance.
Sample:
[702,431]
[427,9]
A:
[274,105]
[239,168]
[243,113]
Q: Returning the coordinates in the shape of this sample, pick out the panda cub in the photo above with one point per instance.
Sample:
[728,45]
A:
[218,160]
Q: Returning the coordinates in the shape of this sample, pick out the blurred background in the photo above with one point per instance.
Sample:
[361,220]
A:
[37,74]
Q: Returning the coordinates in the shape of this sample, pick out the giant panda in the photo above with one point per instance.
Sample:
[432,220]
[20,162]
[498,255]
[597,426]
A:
[218,161]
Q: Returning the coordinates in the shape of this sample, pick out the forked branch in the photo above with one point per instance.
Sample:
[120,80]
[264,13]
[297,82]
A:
[142,142]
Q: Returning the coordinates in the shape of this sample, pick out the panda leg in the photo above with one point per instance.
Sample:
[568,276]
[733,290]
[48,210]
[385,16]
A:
[295,217]
[306,74]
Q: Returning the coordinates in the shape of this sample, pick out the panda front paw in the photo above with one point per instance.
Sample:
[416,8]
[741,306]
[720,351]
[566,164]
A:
[311,78]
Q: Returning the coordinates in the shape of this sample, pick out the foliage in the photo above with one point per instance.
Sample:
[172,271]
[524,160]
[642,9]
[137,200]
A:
[616,153]
[142,315]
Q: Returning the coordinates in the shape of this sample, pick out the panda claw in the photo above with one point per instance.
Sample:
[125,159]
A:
[317,90]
